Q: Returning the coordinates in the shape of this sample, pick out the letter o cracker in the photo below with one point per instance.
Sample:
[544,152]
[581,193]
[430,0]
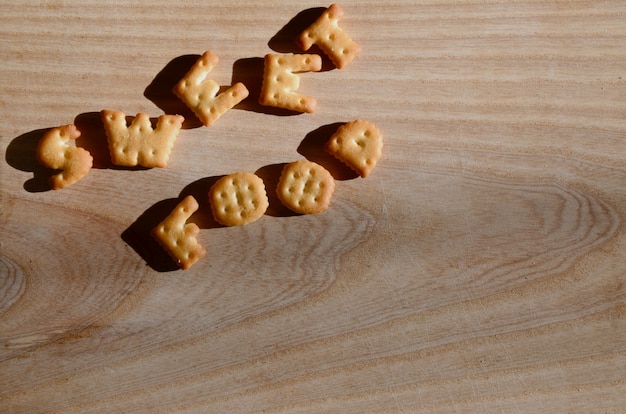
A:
[53,152]
[238,199]
[305,187]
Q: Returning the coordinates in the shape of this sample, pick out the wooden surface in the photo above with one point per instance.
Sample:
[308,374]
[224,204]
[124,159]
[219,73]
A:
[481,267]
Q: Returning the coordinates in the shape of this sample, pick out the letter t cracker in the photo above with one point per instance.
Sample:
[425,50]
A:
[280,81]
[178,237]
[201,94]
[139,144]
[326,33]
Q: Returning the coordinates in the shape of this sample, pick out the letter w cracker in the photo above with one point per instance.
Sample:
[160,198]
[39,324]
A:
[139,143]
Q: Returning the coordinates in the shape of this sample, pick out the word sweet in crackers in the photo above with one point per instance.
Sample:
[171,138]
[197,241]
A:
[238,199]
[358,144]
[53,152]
[139,143]
[326,33]
[280,81]
[177,237]
[305,187]
[200,94]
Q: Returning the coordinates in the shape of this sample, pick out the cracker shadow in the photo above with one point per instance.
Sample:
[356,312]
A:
[284,41]
[312,148]
[21,154]
[93,138]
[199,189]
[270,174]
[249,71]
[159,91]
[138,237]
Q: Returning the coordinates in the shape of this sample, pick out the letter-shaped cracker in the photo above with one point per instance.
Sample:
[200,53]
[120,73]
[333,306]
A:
[326,33]
[358,144]
[139,144]
[200,94]
[178,237]
[53,152]
[305,187]
[238,199]
[280,81]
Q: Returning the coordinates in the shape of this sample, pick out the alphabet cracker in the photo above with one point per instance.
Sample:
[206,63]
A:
[238,199]
[358,144]
[200,94]
[178,237]
[53,152]
[280,81]
[326,33]
[139,143]
[305,187]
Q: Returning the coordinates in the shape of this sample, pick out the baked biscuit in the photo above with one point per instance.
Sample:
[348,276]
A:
[238,199]
[200,94]
[358,144]
[305,187]
[178,237]
[280,81]
[53,152]
[139,143]
[326,33]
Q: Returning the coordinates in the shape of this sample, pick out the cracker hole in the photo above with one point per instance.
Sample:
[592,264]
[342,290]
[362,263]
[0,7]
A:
[345,51]
[276,95]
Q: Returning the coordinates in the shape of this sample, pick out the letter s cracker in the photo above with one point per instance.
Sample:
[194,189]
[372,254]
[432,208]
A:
[53,152]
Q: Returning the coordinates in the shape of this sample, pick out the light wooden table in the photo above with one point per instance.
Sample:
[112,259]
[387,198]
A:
[480,268]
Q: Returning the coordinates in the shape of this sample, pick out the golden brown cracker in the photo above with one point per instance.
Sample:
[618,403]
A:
[305,187]
[139,143]
[53,152]
[238,199]
[358,144]
[200,93]
[331,39]
[280,81]
[178,237]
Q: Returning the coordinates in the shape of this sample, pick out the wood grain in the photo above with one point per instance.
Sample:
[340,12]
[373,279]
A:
[481,267]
